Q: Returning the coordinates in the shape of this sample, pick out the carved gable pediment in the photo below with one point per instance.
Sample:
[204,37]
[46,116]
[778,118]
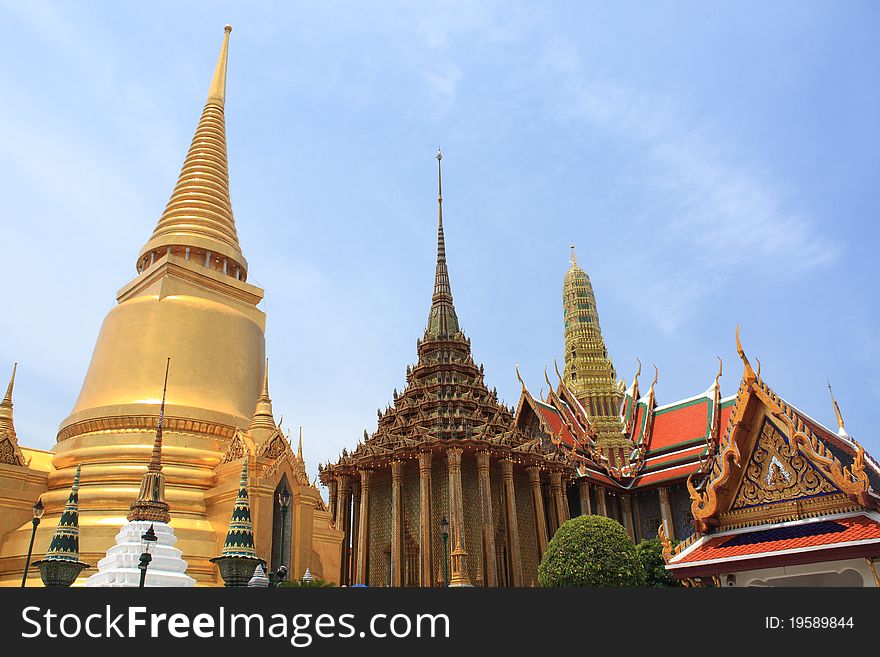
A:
[10,453]
[776,471]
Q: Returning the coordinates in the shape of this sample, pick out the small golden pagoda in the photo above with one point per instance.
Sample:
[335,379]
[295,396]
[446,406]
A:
[189,301]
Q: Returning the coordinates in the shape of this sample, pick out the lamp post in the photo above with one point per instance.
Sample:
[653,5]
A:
[284,502]
[38,513]
[444,534]
[148,540]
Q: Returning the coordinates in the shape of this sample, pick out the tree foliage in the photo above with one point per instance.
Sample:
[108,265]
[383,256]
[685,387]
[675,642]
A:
[650,554]
[591,551]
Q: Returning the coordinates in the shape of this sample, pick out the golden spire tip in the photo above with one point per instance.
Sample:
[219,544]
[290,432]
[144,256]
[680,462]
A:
[227,28]
[573,257]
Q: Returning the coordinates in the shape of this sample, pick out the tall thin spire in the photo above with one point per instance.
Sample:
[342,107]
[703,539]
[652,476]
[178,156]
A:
[264,417]
[7,426]
[150,504]
[198,222]
[442,320]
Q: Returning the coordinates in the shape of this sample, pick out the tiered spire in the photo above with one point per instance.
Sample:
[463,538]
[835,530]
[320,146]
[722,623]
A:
[589,372]
[65,541]
[10,452]
[150,504]
[240,538]
[442,320]
[198,221]
[264,418]
[7,426]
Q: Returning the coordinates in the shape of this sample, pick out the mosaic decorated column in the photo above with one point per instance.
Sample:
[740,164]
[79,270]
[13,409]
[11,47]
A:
[513,548]
[355,529]
[364,528]
[459,575]
[666,513]
[396,524]
[558,499]
[584,496]
[332,495]
[627,513]
[425,524]
[600,501]
[538,503]
[343,512]
[486,516]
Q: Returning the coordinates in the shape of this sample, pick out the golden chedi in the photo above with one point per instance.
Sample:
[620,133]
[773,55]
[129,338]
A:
[190,301]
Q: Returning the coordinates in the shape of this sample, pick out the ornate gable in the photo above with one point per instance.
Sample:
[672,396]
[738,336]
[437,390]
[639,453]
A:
[772,467]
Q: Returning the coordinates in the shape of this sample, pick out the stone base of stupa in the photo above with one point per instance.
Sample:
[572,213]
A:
[120,566]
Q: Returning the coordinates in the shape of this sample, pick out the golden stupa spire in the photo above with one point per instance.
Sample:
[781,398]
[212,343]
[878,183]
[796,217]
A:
[299,449]
[198,223]
[841,429]
[442,320]
[7,426]
[263,415]
[573,259]
[150,504]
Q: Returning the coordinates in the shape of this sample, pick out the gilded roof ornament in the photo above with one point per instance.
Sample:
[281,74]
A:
[841,429]
[7,425]
[748,374]
[442,320]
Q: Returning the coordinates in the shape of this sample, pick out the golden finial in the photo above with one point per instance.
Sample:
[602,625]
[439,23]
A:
[638,373]
[547,379]
[440,183]
[299,449]
[217,91]
[6,424]
[8,397]
[841,429]
[556,367]
[523,383]
[720,370]
[748,373]
[156,456]
[758,361]
[656,378]
[573,259]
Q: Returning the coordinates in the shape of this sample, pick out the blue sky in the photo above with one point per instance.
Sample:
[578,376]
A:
[715,165]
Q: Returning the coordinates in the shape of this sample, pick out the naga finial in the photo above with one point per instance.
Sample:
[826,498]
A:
[547,379]
[748,373]
[720,370]
[841,429]
[656,378]
[523,383]
[556,367]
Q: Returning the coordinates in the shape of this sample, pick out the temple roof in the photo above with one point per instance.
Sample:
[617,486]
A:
[199,212]
[787,543]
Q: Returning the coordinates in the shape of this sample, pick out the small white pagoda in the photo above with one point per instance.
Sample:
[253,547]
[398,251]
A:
[122,566]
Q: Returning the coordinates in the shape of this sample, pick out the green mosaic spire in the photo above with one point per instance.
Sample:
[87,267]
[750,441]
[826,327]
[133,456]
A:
[240,539]
[65,542]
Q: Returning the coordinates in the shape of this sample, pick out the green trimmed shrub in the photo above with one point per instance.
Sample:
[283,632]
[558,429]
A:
[650,553]
[591,551]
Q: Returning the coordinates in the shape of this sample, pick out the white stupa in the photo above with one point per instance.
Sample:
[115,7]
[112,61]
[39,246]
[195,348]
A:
[167,568]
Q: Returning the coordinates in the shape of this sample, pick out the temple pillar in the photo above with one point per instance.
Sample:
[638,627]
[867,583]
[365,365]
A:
[558,499]
[600,501]
[355,529]
[626,510]
[396,524]
[458,557]
[538,504]
[343,512]
[513,548]
[332,496]
[487,517]
[363,542]
[584,496]
[666,513]
[425,525]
